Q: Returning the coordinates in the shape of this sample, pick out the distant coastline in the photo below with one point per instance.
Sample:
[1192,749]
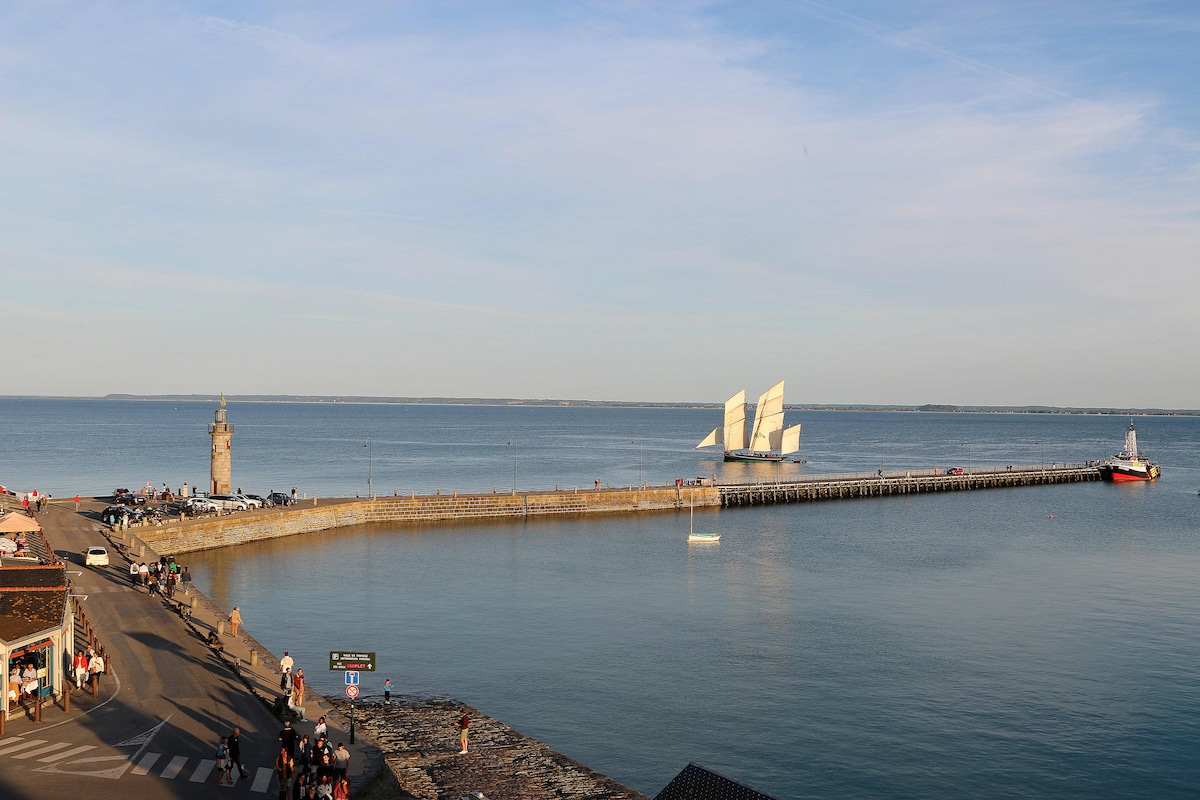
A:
[548,403]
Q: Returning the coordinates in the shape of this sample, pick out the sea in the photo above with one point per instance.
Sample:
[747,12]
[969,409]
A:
[1008,643]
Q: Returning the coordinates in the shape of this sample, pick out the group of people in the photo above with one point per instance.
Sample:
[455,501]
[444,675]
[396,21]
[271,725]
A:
[161,577]
[88,666]
[24,683]
[310,767]
[34,501]
[291,685]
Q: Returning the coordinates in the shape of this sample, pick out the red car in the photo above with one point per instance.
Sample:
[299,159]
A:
[956,471]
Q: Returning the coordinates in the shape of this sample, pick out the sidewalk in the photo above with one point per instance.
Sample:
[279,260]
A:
[261,679]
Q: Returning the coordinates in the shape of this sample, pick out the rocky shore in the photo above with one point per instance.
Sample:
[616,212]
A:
[419,741]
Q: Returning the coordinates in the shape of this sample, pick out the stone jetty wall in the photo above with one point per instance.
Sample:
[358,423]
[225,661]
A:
[419,742]
[251,526]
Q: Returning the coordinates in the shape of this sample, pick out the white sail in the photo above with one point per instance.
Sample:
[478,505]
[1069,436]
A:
[791,441]
[735,422]
[768,421]
[713,439]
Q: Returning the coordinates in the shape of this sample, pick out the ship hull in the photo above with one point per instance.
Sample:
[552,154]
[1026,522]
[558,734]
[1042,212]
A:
[755,457]
[1120,473]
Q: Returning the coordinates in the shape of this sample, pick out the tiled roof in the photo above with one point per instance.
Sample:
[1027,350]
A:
[697,782]
[36,576]
[27,611]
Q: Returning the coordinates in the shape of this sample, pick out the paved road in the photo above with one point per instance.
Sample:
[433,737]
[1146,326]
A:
[164,705]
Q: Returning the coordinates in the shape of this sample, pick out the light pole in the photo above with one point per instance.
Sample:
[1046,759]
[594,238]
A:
[1042,465]
[513,444]
[370,464]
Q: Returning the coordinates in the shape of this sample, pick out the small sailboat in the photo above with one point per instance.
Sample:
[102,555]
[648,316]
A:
[768,441]
[698,538]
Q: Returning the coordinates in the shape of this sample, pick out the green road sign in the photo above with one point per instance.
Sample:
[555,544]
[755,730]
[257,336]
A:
[342,660]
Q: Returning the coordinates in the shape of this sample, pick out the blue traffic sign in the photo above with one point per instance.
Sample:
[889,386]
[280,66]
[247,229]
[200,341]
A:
[352,677]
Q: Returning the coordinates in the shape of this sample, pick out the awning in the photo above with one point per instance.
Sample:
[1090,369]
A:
[15,523]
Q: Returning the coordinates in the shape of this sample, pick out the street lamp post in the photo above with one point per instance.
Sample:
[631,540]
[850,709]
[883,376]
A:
[513,443]
[370,464]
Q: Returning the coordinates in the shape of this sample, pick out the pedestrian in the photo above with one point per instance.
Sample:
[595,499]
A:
[76,502]
[170,585]
[25,505]
[235,619]
[224,769]
[285,769]
[287,662]
[95,668]
[294,705]
[286,682]
[341,789]
[320,732]
[287,738]
[387,692]
[185,578]
[80,665]
[144,573]
[298,686]
[235,752]
[341,761]
[463,724]
[304,754]
[135,577]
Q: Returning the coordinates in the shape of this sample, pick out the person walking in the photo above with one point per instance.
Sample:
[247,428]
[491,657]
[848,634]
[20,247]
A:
[235,619]
[285,769]
[341,762]
[76,502]
[185,578]
[223,767]
[95,668]
[298,686]
[463,723]
[387,692]
[235,752]
[286,681]
[81,669]
[287,662]
[287,738]
[135,576]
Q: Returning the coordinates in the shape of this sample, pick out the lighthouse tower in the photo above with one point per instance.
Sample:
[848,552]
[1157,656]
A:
[222,454]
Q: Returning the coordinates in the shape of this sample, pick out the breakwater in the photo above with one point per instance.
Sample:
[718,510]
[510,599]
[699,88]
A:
[310,516]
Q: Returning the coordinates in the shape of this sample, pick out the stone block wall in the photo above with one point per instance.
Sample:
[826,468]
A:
[187,537]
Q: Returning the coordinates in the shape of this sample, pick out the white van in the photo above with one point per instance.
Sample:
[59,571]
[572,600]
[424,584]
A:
[230,502]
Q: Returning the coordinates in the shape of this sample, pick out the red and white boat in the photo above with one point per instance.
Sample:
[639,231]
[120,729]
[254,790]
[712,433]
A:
[1129,464]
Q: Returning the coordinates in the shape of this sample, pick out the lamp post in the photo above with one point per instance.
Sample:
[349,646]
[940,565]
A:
[638,442]
[513,444]
[1042,465]
[370,464]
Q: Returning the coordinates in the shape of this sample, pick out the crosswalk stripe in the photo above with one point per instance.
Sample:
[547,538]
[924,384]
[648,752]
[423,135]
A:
[262,779]
[202,770]
[9,740]
[14,748]
[174,767]
[145,764]
[43,750]
[67,754]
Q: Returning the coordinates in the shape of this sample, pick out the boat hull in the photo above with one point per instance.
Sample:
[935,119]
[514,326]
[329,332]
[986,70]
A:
[1127,473]
[704,538]
[755,457]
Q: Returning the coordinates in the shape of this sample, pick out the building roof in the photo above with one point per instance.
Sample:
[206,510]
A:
[14,523]
[697,782]
[24,612]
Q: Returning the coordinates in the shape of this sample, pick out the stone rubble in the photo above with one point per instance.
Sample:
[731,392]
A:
[419,741]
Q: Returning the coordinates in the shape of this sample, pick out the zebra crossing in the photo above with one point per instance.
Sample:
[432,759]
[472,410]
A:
[62,757]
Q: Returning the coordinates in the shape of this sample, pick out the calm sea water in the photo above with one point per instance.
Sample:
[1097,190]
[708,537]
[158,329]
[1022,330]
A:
[1009,643]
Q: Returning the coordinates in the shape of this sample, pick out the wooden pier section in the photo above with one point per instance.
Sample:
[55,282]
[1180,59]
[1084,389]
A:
[870,484]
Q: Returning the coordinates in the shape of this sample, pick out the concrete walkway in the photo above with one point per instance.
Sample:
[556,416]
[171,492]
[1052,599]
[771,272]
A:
[166,701]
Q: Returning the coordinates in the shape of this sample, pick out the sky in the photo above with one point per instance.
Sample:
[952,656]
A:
[977,203]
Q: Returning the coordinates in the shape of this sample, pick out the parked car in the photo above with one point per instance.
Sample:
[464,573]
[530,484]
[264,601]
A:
[252,501]
[955,471]
[112,514]
[129,499]
[263,502]
[230,502]
[202,505]
[280,498]
[95,557]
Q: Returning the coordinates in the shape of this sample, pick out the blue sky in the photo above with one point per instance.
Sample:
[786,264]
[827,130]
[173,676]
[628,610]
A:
[900,202]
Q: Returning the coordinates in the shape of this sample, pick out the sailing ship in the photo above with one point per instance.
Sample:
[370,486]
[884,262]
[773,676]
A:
[1129,464]
[767,441]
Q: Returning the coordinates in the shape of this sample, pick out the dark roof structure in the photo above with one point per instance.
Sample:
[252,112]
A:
[26,611]
[698,782]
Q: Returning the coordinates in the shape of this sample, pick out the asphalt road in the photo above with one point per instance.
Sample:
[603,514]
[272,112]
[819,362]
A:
[162,708]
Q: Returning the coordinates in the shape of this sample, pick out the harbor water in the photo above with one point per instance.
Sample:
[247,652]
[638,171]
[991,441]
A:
[1025,642]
